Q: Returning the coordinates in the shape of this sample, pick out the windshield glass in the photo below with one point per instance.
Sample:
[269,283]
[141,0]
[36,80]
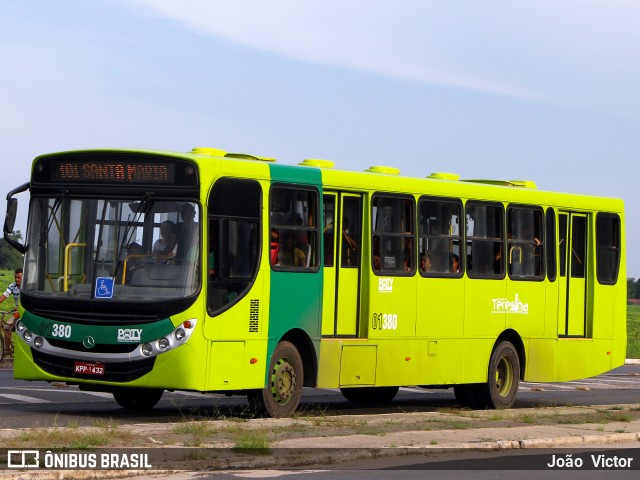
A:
[89,249]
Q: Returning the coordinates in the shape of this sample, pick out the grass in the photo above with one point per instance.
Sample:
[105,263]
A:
[73,437]
[255,442]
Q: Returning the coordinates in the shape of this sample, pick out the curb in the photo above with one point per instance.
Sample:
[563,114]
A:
[296,458]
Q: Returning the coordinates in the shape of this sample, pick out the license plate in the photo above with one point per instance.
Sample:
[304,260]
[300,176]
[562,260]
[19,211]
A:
[88,368]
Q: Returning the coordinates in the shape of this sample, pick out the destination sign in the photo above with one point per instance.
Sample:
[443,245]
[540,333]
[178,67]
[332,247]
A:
[109,171]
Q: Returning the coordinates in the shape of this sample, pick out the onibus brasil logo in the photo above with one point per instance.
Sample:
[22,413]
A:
[504,305]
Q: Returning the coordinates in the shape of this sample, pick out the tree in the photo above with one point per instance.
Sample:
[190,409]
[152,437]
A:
[10,258]
[633,288]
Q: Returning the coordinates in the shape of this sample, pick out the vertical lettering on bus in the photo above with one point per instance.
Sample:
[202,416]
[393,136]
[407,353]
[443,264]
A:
[120,171]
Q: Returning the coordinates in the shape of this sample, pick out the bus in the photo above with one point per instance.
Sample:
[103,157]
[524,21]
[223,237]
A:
[278,277]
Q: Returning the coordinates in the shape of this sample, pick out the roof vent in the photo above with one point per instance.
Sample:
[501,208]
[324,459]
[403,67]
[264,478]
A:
[523,183]
[445,176]
[317,162]
[506,183]
[246,156]
[383,169]
[213,152]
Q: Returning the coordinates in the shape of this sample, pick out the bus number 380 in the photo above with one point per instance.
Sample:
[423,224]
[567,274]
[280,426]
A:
[55,330]
[384,321]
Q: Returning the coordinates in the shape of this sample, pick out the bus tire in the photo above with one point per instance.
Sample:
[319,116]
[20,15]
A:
[503,378]
[138,398]
[370,394]
[282,395]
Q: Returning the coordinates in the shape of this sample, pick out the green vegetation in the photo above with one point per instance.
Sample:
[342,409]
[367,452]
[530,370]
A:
[254,442]
[633,331]
[10,258]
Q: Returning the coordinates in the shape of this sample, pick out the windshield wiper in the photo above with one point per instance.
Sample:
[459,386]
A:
[52,215]
[142,208]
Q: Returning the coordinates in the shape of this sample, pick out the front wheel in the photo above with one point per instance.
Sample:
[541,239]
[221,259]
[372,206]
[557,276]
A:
[282,395]
[138,398]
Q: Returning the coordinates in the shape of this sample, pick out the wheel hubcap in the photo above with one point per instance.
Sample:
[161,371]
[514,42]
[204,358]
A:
[504,377]
[283,381]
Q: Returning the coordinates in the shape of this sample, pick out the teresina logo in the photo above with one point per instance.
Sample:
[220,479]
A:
[503,305]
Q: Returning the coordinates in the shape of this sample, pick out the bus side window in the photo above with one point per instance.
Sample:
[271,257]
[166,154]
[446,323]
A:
[439,237]
[393,235]
[525,242]
[234,241]
[485,240]
[292,214]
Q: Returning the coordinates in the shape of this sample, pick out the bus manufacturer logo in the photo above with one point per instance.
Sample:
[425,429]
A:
[89,342]
[385,285]
[503,305]
[129,334]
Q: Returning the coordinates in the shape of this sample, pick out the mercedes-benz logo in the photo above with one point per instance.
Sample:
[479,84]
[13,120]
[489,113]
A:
[88,342]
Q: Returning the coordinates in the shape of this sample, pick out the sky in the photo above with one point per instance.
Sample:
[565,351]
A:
[544,91]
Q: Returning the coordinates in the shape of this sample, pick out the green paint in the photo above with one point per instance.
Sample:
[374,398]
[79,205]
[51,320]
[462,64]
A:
[103,334]
[296,297]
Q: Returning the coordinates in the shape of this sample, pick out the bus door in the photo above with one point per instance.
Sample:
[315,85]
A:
[572,295]
[342,260]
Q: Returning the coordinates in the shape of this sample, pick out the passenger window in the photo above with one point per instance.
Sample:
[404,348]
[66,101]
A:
[393,247]
[550,244]
[234,241]
[294,229]
[525,243]
[440,237]
[329,207]
[608,247]
[485,240]
[350,226]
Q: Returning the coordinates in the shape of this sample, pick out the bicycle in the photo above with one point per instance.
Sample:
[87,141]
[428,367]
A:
[7,326]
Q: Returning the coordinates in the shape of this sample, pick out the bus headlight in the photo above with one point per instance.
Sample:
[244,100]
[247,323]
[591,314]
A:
[28,336]
[38,342]
[20,326]
[180,333]
[163,343]
[147,349]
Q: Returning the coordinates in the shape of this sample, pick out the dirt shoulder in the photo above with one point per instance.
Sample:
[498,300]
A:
[442,427]
[199,443]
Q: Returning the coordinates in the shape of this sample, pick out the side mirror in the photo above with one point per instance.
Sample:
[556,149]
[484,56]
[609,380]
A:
[10,217]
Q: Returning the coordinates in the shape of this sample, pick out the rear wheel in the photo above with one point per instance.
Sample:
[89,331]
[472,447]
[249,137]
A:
[138,398]
[1,345]
[370,394]
[502,384]
[282,395]
[504,376]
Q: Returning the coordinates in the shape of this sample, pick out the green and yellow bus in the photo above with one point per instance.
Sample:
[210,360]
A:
[211,271]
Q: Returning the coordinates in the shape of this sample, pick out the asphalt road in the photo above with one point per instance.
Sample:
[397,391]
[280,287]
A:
[37,404]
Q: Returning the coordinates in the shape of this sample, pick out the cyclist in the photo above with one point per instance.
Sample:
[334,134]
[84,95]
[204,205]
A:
[13,288]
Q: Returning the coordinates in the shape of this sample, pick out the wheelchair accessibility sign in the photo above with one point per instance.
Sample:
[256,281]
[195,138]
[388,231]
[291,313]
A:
[104,287]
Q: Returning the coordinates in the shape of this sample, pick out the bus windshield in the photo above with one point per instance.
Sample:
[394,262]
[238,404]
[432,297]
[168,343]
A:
[141,249]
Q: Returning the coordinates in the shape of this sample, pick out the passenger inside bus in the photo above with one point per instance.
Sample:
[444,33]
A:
[275,246]
[186,231]
[164,249]
[425,262]
[455,263]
